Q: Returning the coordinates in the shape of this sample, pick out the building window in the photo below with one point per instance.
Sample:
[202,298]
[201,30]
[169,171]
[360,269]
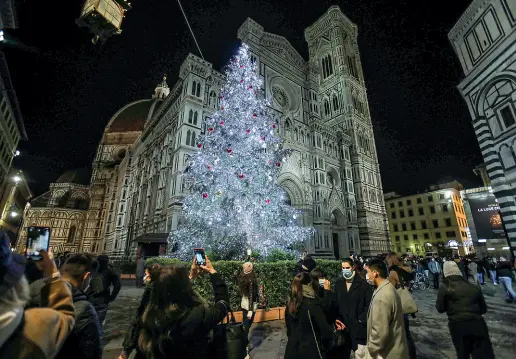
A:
[335,103]
[195,118]
[421,211]
[414,236]
[426,236]
[441,195]
[393,215]
[402,214]
[412,226]
[190,116]
[213,99]
[405,237]
[400,204]
[397,238]
[395,228]
[438,235]
[445,208]
[507,115]
[430,199]
[194,87]
[327,66]
[326,108]
[448,222]
[409,202]
[423,224]
[411,213]
[450,234]
[418,200]
[432,209]
[391,205]
[71,234]
[404,226]
[435,223]
[352,67]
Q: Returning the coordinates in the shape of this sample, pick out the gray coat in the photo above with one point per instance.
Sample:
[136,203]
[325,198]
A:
[140,267]
[385,327]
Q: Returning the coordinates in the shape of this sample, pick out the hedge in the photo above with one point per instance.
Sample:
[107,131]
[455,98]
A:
[275,277]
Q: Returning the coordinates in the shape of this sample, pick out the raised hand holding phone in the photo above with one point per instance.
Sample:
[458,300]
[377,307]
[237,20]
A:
[208,267]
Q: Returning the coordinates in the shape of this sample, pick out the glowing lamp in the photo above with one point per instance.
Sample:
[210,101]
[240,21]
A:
[103,18]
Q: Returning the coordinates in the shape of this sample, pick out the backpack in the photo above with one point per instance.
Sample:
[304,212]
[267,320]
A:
[99,284]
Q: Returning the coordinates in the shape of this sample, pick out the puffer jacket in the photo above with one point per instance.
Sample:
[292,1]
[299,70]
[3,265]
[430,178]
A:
[84,340]
[461,300]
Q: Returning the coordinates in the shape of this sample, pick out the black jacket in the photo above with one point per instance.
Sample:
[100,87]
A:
[101,283]
[84,340]
[504,270]
[460,299]
[351,307]
[189,336]
[307,340]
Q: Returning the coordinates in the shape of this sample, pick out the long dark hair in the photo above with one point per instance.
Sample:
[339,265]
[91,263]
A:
[171,298]
[296,290]
[245,281]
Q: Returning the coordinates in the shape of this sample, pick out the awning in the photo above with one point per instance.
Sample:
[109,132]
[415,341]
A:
[152,238]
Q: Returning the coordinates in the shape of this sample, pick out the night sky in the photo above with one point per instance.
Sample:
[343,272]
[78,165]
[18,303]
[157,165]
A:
[68,88]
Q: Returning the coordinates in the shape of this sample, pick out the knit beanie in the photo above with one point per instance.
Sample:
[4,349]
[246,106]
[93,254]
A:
[451,268]
[248,267]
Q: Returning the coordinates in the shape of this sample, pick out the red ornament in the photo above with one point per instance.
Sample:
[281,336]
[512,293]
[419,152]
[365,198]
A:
[221,107]
[278,164]
[210,129]
[241,175]
[205,195]
[199,145]
[269,162]
[241,80]
[221,123]
[263,138]
[229,150]
[209,168]
[241,66]
[268,201]
[254,115]
[248,131]
[250,87]
[273,126]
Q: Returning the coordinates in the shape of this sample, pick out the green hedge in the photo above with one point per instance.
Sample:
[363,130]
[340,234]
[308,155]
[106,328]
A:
[275,276]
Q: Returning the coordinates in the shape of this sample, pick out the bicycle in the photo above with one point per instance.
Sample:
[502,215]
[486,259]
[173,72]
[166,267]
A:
[421,282]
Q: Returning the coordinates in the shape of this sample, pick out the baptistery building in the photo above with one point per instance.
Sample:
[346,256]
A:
[136,188]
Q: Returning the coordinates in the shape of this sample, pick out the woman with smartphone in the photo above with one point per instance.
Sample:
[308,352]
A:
[177,321]
[248,285]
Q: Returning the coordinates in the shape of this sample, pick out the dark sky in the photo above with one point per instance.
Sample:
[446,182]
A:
[68,89]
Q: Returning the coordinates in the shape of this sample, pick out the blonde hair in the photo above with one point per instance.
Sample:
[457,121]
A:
[17,296]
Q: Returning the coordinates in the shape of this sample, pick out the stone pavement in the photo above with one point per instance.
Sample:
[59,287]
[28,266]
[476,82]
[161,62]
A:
[429,328]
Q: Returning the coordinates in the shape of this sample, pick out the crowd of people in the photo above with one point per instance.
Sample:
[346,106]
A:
[57,311]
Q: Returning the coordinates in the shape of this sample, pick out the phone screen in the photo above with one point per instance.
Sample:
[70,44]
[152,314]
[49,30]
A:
[38,238]
[200,256]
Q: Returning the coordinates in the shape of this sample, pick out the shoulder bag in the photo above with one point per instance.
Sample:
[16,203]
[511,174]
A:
[315,336]
[408,304]
[230,339]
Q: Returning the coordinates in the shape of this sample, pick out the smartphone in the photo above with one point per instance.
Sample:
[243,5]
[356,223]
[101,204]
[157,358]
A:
[38,238]
[321,282]
[200,256]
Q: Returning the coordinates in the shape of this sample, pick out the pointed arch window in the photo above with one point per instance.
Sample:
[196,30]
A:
[194,87]
[198,90]
[193,139]
[335,103]
[71,234]
[195,118]
[213,99]
[327,67]
[352,67]
[190,116]
[188,137]
[326,108]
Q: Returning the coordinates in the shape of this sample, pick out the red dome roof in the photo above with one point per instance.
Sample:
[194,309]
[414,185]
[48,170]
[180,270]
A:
[132,117]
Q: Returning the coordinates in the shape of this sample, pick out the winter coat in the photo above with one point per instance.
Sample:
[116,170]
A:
[131,337]
[84,340]
[42,331]
[140,268]
[351,307]
[504,270]
[386,337]
[188,337]
[461,300]
[307,340]
[100,290]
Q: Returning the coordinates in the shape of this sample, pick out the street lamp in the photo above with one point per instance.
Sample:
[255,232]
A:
[16,153]
[17,179]
[14,214]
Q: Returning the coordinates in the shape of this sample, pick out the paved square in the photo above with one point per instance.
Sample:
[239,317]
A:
[429,328]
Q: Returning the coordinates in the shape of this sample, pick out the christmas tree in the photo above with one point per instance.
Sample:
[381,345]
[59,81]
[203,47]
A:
[234,202]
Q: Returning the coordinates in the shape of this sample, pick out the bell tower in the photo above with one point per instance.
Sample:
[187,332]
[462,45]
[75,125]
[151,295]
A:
[335,76]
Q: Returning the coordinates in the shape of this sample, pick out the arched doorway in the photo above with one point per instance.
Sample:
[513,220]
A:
[338,234]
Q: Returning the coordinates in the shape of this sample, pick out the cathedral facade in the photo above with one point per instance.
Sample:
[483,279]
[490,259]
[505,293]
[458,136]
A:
[320,105]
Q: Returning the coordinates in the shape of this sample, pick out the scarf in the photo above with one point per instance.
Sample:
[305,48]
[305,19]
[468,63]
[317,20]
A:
[308,291]
[9,321]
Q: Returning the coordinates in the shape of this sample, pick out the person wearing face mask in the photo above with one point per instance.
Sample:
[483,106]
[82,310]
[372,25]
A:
[84,340]
[352,298]
[386,337]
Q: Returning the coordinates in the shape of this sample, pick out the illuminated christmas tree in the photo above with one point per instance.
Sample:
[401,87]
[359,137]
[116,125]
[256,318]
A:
[234,202]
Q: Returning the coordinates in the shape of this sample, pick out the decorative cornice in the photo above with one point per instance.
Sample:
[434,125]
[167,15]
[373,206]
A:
[467,17]
[334,14]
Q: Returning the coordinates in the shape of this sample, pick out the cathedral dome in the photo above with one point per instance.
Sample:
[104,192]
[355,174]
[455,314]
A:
[132,117]
[78,176]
